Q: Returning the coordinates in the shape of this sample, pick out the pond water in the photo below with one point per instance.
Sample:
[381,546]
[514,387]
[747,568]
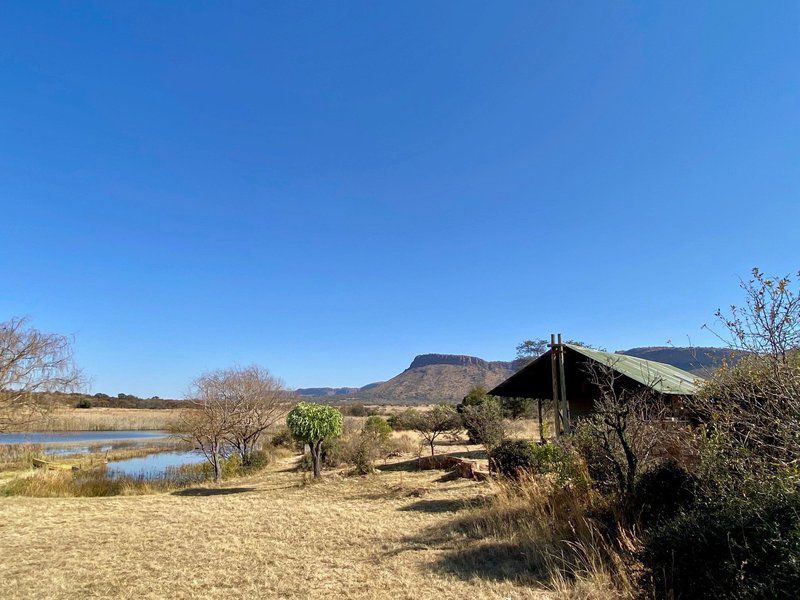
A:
[84,437]
[152,465]
[61,443]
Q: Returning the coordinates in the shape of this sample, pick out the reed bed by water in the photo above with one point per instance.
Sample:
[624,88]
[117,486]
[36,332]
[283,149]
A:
[14,457]
[89,482]
[96,482]
[108,419]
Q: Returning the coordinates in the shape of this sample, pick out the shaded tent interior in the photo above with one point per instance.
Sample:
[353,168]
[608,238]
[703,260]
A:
[535,380]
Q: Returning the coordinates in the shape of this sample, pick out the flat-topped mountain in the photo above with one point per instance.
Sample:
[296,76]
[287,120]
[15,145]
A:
[433,378]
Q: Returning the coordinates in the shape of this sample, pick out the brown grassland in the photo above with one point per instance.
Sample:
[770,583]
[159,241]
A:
[272,536]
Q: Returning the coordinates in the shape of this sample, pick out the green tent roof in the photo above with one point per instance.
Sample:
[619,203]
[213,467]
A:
[663,378]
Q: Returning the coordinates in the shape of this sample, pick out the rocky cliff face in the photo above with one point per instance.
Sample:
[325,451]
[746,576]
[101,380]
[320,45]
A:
[461,360]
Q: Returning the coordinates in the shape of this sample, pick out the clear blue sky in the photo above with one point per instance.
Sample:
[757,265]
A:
[328,189]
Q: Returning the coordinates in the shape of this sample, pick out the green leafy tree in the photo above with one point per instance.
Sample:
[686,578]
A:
[475,396]
[312,424]
[530,350]
[482,415]
[378,427]
[484,423]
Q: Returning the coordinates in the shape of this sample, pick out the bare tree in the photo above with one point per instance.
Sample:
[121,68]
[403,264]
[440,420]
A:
[259,400]
[756,402]
[626,427]
[209,422]
[32,364]
[768,324]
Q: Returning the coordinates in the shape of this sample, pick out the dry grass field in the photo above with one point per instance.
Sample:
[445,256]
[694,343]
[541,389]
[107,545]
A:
[391,535]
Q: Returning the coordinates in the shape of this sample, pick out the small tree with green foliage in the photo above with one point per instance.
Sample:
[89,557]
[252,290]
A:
[484,422]
[442,419]
[313,424]
[378,427]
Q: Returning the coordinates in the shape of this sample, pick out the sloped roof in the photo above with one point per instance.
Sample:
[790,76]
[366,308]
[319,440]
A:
[663,378]
[534,380]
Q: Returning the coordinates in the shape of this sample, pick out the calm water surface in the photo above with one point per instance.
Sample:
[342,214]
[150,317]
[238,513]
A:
[91,437]
[153,465]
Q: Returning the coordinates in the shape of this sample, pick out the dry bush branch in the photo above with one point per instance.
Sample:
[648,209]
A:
[31,364]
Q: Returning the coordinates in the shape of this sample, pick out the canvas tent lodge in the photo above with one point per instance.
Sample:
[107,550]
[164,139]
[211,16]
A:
[563,376]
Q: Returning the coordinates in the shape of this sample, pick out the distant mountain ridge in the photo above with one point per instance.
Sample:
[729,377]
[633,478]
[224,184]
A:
[432,378]
[322,392]
[699,361]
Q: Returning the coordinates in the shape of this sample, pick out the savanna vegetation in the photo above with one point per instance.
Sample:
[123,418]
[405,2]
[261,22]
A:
[627,506]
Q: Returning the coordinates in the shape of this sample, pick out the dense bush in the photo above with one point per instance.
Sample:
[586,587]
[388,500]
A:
[258,460]
[483,421]
[514,457]
[399,421]
[355,409]
[550,458]
[663,491]
[84,403]
[378,427]
[518,408]
[729,547]
[511,457]
[589,447]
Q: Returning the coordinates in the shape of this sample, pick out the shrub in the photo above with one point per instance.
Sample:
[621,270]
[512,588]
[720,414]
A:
[379,427]
[484,422]
[663,491]
[359,448]
[355,409]
[512,457]
[401,421]
[518,408]
[283,439]
[730,547]
[600,467]
[84,403]
[259,459]
[549,458]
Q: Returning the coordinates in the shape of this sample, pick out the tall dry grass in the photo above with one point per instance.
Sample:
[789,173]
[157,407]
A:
[108,419]
[19,456]
[92,483]
[562,545]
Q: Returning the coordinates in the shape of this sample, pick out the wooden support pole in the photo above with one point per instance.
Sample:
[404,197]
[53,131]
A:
[541,420]
[554,377]
[563,380]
